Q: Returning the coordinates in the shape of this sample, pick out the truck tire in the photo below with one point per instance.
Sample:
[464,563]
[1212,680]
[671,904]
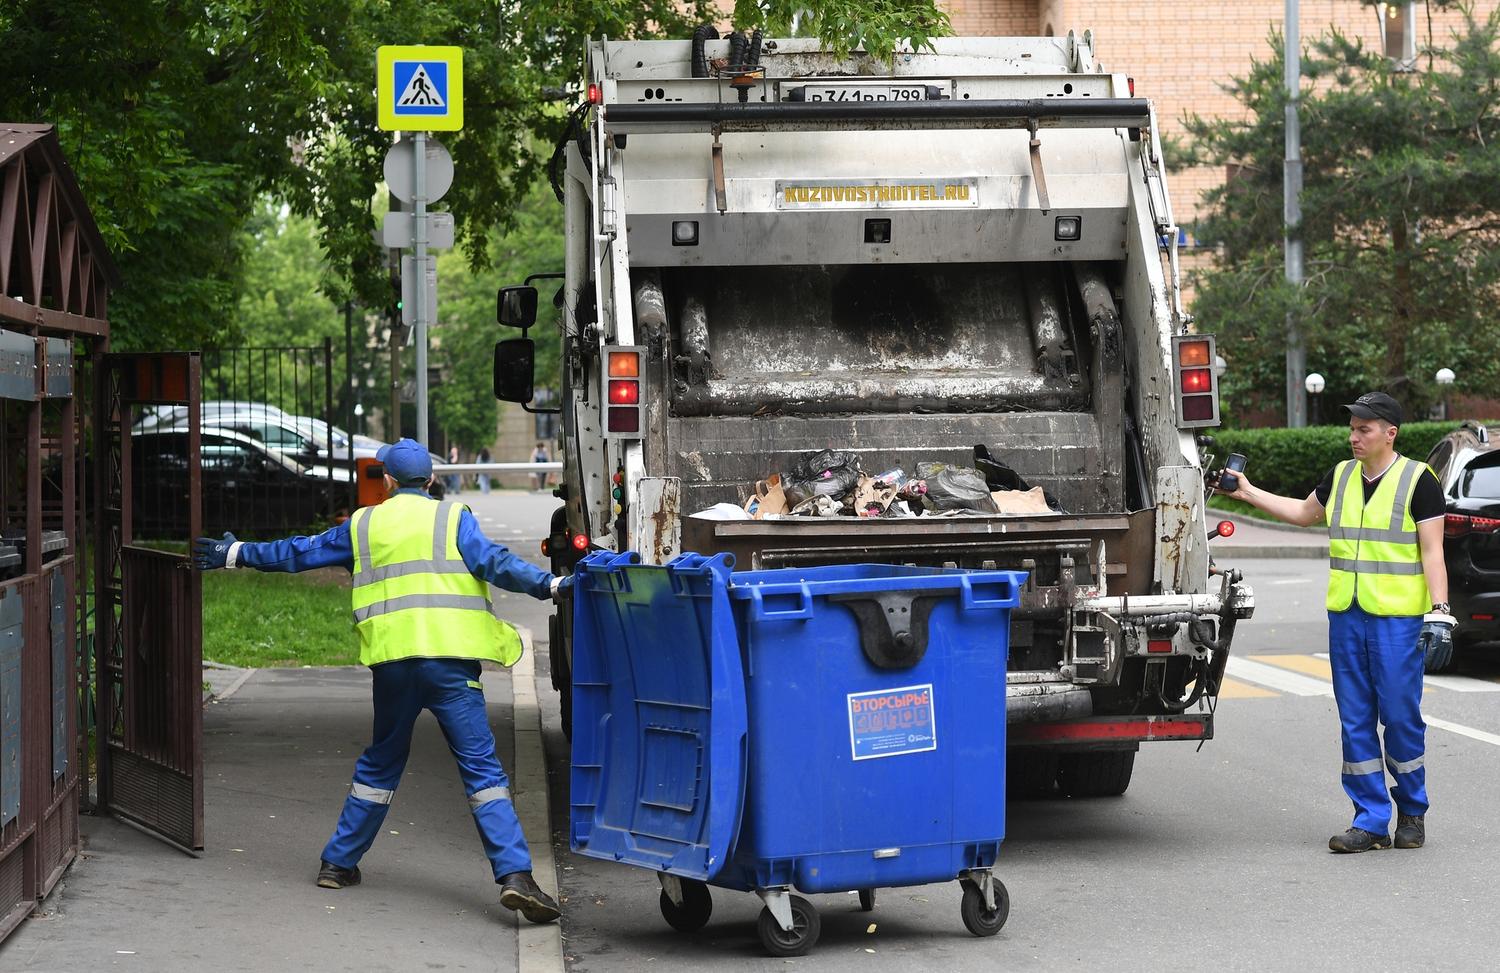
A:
[1103,773]
[1030,774]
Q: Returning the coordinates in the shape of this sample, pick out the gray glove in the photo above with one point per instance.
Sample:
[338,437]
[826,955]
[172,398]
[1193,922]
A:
[1436,641]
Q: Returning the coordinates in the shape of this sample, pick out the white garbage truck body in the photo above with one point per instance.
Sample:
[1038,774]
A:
[971,245]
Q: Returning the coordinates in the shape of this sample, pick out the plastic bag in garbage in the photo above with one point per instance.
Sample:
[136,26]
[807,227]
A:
[955,488]
[827,473]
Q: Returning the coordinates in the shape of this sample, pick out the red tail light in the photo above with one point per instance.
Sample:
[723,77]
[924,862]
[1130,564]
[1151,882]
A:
[596,94]
[580,542]
[1485,617]
[1457,525]
[1159,645]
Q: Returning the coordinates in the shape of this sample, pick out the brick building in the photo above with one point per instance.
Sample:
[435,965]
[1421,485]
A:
[1181,52]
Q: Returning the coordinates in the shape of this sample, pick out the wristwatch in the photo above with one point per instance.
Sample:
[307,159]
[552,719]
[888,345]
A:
[1443,607]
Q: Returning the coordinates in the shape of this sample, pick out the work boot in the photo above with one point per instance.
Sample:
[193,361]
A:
[1411,831]
[331,876]
[1356,840]
[520,893]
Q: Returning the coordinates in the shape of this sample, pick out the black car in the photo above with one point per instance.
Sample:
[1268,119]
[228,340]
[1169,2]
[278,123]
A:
[1467,464]
[246,486]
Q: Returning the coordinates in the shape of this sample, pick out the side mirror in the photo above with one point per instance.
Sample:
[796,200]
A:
[516,306]
[515,365]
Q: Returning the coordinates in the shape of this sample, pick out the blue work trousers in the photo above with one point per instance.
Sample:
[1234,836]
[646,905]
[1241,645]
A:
[1377,679]
[450,688]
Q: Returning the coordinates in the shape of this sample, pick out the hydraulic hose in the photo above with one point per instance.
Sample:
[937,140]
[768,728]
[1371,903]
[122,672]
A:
[701,36]
[738,43]
[752,59]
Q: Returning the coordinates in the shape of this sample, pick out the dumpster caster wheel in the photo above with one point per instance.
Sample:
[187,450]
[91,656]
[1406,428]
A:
[805,928]
[866,900]
[692,915]
[979,920]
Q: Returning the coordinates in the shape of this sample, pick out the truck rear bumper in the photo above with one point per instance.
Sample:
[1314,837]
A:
[1112,732]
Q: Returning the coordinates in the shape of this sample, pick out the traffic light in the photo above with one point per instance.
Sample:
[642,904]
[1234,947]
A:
[624,408]
[1195,382]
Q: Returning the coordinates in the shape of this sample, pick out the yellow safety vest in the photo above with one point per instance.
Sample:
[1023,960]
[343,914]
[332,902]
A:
[1372,548]
[413,595]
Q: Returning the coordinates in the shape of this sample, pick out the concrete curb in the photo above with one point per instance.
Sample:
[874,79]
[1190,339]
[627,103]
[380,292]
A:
[1299,551]
[538,948]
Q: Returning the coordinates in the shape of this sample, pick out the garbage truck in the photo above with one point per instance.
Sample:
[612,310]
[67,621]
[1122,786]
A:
[773,250]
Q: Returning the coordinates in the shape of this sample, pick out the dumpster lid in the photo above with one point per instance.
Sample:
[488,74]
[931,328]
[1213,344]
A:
[659,714]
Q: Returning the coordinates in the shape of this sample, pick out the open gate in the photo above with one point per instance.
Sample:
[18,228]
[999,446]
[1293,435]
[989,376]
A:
[149,637]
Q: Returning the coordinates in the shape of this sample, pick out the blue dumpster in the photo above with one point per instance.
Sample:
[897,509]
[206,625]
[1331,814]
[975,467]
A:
[821,729]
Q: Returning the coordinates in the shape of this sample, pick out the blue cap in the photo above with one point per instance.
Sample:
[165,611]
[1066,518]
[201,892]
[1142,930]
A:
[406,461]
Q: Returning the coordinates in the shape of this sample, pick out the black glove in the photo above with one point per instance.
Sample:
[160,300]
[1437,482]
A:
[562,589]
[209,554]
[1436,641]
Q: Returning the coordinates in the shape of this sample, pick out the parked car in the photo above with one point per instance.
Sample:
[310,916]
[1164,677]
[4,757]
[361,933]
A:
[306,439]
[247,486]
[1467,464]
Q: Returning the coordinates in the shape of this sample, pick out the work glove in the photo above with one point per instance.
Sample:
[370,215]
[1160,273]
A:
[1436,641]
[209,554]
[562,588]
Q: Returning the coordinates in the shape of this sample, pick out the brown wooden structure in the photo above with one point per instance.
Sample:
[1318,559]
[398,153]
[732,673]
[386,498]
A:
[55,279]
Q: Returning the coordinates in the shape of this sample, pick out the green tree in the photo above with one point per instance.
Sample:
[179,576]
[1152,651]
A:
[178,117]
[1401,221]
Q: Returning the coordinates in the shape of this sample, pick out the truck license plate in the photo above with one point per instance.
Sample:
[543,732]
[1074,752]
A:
[866,92]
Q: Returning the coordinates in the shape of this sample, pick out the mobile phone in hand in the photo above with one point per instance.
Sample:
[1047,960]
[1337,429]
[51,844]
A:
[1228,482]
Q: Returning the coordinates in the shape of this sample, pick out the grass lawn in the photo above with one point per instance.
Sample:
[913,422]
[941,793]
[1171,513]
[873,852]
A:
[255,620]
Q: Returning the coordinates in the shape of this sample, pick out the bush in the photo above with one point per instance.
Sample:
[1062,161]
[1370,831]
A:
[1292,461]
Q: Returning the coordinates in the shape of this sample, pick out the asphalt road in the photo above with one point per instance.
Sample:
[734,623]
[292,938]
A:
[1213,858]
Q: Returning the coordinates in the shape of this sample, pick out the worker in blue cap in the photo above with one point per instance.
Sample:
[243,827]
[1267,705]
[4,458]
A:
[421,575]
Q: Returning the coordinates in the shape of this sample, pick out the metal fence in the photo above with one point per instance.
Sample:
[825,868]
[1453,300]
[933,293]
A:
[273,461]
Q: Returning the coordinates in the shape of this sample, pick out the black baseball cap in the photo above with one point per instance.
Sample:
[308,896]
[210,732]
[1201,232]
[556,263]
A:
[1377,405]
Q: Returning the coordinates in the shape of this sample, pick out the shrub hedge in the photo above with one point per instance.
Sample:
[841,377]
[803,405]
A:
[1292,461]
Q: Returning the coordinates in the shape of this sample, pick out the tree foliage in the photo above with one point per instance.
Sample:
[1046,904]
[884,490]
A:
[1400,220]
[179,117]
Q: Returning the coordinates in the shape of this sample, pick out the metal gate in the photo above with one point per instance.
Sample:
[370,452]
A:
[149,637]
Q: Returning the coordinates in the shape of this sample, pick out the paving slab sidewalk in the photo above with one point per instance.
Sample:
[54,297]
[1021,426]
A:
[279,753]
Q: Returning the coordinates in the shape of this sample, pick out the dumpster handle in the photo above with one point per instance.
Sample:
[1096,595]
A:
[972,597]
[759,611]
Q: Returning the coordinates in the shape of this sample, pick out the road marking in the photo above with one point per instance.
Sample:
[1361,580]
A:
[1305,664]
[1279,679]
[1234,689]
[1466,731]
[1457,684]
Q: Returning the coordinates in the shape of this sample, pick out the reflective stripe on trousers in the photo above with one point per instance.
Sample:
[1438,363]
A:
[1377,678]
[449,689]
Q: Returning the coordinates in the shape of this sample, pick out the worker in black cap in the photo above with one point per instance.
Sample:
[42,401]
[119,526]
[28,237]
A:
[1388,615]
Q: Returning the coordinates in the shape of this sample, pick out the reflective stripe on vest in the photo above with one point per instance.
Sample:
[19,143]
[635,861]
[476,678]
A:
[1373,553]
[413,595]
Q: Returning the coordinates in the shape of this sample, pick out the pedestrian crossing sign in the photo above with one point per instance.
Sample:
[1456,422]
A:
[421,89]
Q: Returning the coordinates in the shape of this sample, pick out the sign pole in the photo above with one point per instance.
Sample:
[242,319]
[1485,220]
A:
[419,286]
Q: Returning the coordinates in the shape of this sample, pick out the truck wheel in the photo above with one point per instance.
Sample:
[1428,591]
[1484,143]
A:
[697,906]
[805,929]
[1095,774]
[979,920]
[1030,774]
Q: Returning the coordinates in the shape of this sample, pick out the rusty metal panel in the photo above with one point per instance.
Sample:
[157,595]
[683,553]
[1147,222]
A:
[17,366]
[12,641]
[154,742]
[60,684]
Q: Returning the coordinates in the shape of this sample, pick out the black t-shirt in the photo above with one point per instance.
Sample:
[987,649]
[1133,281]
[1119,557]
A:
[1427,499]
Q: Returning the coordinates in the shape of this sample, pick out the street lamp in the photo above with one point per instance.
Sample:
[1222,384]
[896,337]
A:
[1445,377]
[359,411]
[1314,385]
